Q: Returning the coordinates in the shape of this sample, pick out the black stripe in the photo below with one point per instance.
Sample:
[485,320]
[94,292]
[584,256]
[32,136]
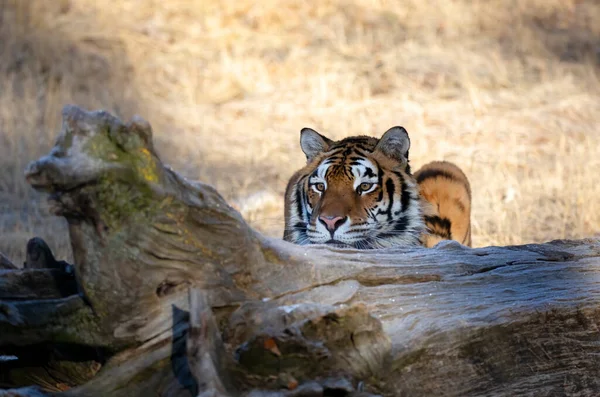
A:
[399,175]
[328,171]
[379,173]
[440,226]
[389,184]
[364,153]
[428,174]
[299,200]
[348,172]
[400,226]
[368,172]
[363,147]
[334,151]
[379,180]
[405,197]
[347,151]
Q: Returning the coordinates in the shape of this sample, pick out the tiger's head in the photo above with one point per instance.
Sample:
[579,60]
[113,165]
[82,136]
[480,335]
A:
[357,192]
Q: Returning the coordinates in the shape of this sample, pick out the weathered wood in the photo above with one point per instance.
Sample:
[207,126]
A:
[65,320]
[22,284]
[38,305]
[40,256]
[293,320]
[5,263]
[206,353]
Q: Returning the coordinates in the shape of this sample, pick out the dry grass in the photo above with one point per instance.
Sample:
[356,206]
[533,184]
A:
[507,89]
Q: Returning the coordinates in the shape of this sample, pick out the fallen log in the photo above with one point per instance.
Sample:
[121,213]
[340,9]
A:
[175,295]
[5,263]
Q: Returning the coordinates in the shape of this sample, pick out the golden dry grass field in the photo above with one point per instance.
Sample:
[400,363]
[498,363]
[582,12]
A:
[507,89]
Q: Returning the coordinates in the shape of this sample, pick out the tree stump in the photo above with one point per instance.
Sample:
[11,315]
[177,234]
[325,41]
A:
[171,293]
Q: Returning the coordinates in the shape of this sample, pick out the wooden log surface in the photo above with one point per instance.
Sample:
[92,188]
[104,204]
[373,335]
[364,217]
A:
[293,320]
[5,263]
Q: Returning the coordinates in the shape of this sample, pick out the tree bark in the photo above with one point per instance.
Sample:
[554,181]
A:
[173,294]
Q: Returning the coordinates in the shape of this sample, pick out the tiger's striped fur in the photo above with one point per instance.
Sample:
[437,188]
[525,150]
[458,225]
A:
[446,188]
[360,192]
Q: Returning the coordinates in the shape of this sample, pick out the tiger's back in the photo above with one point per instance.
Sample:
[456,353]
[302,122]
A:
[446,191]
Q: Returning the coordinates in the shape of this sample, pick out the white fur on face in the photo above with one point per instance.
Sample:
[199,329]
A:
[319,177]
[364,172]
[387,224]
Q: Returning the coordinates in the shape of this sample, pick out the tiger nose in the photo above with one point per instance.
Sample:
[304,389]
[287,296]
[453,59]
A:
[332,222]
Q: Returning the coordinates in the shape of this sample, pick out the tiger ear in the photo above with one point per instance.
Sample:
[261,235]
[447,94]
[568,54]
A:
[395,143]
[313,143]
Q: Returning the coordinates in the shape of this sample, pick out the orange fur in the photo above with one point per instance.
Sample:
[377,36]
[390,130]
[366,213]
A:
[446,189]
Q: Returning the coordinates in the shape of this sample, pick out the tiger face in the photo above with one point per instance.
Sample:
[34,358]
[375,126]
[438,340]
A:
[357,192]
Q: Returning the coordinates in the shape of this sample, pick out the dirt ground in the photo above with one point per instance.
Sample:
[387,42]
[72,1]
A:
[509,90]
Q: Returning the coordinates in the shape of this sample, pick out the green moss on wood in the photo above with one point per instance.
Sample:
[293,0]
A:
[125,192]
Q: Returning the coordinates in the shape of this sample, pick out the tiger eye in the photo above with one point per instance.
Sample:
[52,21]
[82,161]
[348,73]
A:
[365,186]
[320,186]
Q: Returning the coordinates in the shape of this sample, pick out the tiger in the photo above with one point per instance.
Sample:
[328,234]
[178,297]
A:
[359,192]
